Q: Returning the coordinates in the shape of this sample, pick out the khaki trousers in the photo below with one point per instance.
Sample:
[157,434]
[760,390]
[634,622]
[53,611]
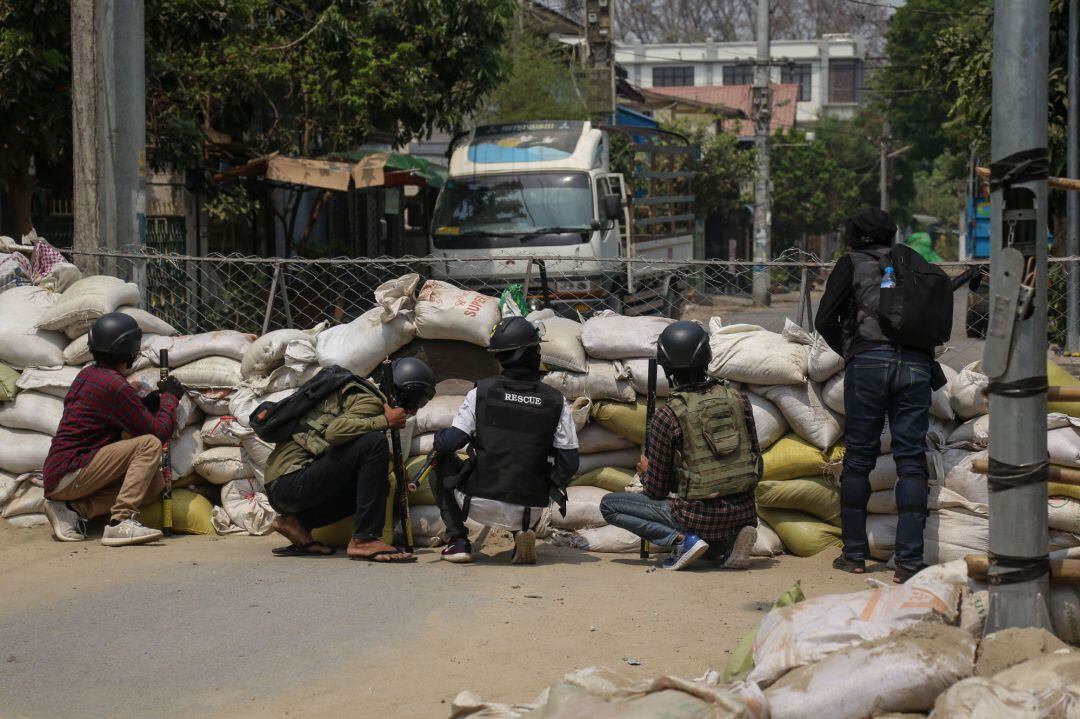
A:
[120,478]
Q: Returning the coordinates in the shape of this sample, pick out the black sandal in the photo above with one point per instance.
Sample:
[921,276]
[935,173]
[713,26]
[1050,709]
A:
[852,566]
[302,550]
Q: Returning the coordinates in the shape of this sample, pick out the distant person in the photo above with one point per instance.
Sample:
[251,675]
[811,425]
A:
[339,465]
[90,471]
[923,243]
[522,443]
[701,466]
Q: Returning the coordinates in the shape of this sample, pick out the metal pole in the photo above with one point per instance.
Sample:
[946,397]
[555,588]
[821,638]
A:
[1018,526]
[1072,199]
[762,108]
[883,182]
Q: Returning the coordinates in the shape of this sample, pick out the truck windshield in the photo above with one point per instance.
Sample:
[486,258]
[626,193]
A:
[483,212]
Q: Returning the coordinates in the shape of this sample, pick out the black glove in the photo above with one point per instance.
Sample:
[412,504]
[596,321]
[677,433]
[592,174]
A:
[171,386]
[152,402]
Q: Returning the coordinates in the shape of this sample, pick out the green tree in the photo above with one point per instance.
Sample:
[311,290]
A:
[723,170]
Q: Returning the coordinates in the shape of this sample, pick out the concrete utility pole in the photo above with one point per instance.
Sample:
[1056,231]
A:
[109,123]
[599,36]
[762,107]
[1018,526]
[884,180]
[1072,199]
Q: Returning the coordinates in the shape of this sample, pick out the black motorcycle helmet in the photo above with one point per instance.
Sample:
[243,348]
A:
[871,226]
[512,339]
[683,351]
[115,337]
[414,383]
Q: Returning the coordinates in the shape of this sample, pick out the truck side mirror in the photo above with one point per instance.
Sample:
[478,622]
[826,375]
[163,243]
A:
[612,206]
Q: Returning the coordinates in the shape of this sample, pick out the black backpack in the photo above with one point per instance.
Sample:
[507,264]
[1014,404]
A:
[278,421]
[918,312]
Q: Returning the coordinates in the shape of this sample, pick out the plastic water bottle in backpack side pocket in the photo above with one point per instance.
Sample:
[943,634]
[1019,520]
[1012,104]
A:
[888,281]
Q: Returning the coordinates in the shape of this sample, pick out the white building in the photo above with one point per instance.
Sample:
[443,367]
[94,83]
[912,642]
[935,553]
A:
[829,70]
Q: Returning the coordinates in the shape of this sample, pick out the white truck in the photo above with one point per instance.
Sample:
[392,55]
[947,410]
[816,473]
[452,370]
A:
[537,203]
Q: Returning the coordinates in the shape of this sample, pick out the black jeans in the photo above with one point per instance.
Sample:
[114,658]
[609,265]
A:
[880,383]
[349,478]
[452,515]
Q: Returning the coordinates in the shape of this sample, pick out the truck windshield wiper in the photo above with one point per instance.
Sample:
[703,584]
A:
[523,234]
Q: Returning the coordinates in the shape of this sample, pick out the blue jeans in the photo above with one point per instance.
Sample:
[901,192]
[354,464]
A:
[644,516]
[880,384]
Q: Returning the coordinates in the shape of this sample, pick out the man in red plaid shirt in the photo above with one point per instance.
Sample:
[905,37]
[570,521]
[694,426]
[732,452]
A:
[701,465]
[90,470]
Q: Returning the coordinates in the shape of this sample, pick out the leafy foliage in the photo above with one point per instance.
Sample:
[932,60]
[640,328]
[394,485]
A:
[723,170]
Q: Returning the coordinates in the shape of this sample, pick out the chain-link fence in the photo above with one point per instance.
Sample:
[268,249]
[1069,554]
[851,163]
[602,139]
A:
[198,294]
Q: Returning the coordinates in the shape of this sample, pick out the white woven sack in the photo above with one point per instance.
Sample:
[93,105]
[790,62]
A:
[602,380]
[56,382]
[148,323]
[365,342]
[940,404]
[60,276]
[9,484]
[397,296]
[213,402]
[611,336]
[582,509]
[185,349]
[35,411]
[1063,446]
[768,542]
[184,448]
[561,347]
[805,412]
[752,354]
[439,413]
[832,393]
[960,478]
[78,351]
[245,504]
[88,299]
[28,499]
[967,393]
[769,421]
[223,432]
[222,464]
[623,458]
[243,402]
[596,438]
[953,533]
[422,444]
[1063,514]
[23,451]
[608,538]
[445,312]
[210,373]
[267,353]
[21,343]
[821,362]
[639,377]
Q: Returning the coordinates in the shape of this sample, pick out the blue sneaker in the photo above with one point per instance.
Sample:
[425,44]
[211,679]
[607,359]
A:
[686,552]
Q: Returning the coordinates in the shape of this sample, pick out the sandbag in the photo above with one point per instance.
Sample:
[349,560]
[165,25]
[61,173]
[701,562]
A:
[768,542]
[9,379]
[1063,514]
[817,496]
[625,458]
[209,373]
[940,404]
[78,352]
[608,538]
[87,300]
[1058,377]
[882,501]
[223,432]
[597,438]
[960,478]
[608,335]
[805,412]
[267,353]
[27,499]
[192,513]
[832,394]
[904,672]
[422,444]
[439,413]
[791,457]
[428,524]
[9,484]
[803,534]
[284,377]
[952,533]
[214,402]
[219,465]
[1063,446]
[769,422]
[23,451]
[26,521]
[1065,612]
[22,344]
[582,509]
[56,382]
[752,354]
[639,377]
[35,411]
[365,342]
[185,349]
[445,312]
[601,381]
[59,277]
[881,535]
[580,409]
[626,419]
[148,323]
[967,393]
[822,362]
[244,504]
[561,348]
[243,402]
[809,631]
[183,449]
[611,479]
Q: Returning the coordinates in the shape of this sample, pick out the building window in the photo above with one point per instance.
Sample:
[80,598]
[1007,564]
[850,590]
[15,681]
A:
[792,74]
[845,81]
[673,76]
[739,74]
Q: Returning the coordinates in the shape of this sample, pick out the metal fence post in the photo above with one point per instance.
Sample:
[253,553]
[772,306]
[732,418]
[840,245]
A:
[270,298]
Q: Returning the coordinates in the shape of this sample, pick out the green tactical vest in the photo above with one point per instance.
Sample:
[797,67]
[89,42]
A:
[716,459]
[313,439]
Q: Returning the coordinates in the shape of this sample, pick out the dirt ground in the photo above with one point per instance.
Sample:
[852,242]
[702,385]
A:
[216,626]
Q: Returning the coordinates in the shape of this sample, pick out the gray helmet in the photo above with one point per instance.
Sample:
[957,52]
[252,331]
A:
[414,383]
[116,336]
[683,345]
[512,337]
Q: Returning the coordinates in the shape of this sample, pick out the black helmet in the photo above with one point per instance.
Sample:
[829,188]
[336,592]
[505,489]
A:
[414,383]
[683,345]
[871,226]
[116,337]
[512,337]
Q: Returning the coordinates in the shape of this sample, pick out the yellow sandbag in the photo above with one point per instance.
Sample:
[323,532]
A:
[422,495]
[191,513]
[339,533]
[802,533]
[1057,489]
[613,479]
[1057,377]
[8,378]
[792,457]
[626,419]
[819,496]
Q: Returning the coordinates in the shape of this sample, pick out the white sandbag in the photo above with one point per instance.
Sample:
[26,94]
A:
[752,354]
[561,348]
[183,449]
[397,295]
[808,631]
[9,484]
[608,335]
[210,373]
[243,402]
[219,465]
[769,421]
[244,502]
[881,534]
[214,402]
[967,393]
[184,349]
[597,438]
[582,509]
[940,403]
[1062,445]
[960,478]
[87,300]
[952,533]
[904,672]
[365,342]
[624,458]
[267,353]
[639,377]
[26,521]
[602,380]
[422,444]
[148,323]
[283,378]
[22,344]
[1063,514]
[60,276]
[832,393]
[445,312]
[821,362]
[35,411]
[608,538]
[427,524]
[768,542]
[975,433]
[78,352]
[255,452]
[882,501]
[439,413]
[28,499]
[223,432]
[23,451]
[805,412]
[56,382]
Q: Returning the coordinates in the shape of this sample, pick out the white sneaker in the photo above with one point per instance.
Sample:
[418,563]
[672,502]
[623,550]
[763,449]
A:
[739,557]
[67,526]
[129,532]
[524,548]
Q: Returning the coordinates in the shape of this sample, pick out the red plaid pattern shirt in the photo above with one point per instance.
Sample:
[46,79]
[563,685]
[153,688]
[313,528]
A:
[44,258]
[99,407]
[711,519]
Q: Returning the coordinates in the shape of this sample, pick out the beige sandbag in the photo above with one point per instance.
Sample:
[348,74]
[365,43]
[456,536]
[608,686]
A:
[582,509]
[1064,608]
[9,484]
[627,458]
[78,352]
[822,363]
[561,348]
[28,499]
[752,354]
[1063,513]
[365,342]
[56,382]
[87,300]
[952,533]
[768,542]
[223,432]
[267,353]
[439,413]
[183,450]
[1046,686]
[245,506]
[639,377]
[805,412]
[22,344]
[284,377]
[23,451]
[611,336]
[213,402]
[148,323]
[445,312]
[60,276]
[881,534]
[940,404]
[243,402]
[967,393]
[608,538]
[832,393]
[769,422]
[960,478]
[210,373]
[219,465]
[185,349]
[580,411]
[1063,446]
[602,380]
[596,438]
[32,410]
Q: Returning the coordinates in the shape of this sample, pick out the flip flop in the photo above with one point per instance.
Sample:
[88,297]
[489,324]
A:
[386,553]
[301,550]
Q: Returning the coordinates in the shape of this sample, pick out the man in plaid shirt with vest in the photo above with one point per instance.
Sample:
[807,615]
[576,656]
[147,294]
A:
[701,465]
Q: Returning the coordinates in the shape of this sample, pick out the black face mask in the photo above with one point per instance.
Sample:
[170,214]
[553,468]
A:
[526,368]
[413,397]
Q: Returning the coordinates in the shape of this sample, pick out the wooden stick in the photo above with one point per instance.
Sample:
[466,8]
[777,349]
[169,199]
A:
[1062,571]
[1063,394]
[1056,183]
[1063,475]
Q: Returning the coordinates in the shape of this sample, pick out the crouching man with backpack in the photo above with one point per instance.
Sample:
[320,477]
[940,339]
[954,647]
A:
[332,460]
[885,309]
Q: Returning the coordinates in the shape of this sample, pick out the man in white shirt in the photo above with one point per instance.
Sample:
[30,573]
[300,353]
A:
[522,449]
